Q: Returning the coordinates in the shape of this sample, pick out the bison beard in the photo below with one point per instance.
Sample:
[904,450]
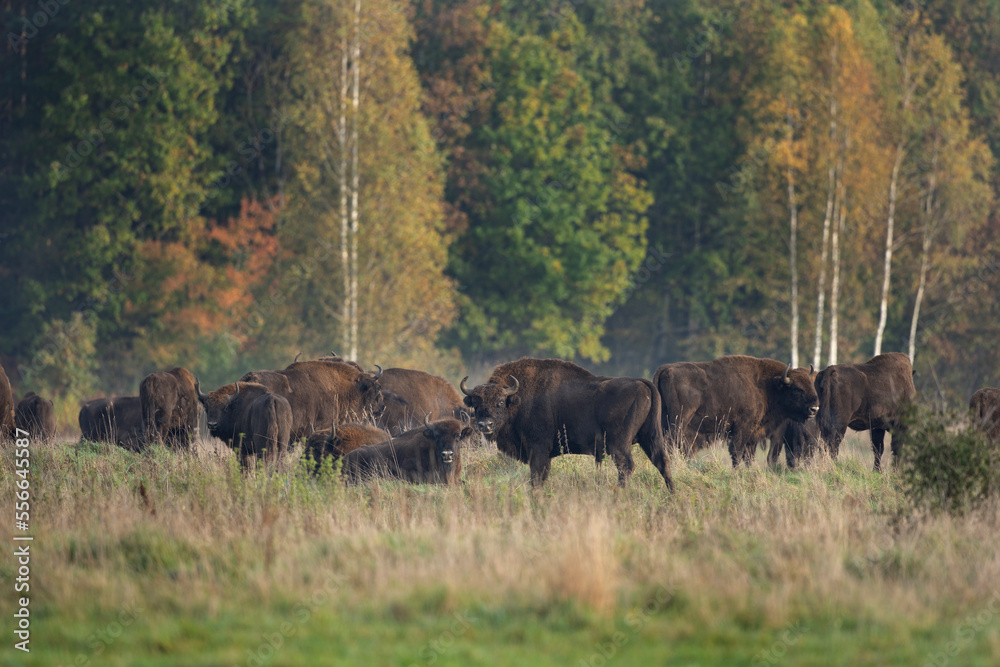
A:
[169,407]
[984,407]
[250,419]
[743,398]
[537,409]
[36,415]
[869,396]
[430,454]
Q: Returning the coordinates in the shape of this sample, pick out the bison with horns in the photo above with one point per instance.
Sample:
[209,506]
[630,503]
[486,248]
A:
[250,419]
[869,396]
[744,399]
[537,409]
[169,407]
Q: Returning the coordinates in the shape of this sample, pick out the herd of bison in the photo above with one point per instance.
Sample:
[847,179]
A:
[410,425]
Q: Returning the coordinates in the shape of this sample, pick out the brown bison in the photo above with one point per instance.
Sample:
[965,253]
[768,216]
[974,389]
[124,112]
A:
[537,409]
[169,407]
[249,418]
[36,415]
[6,406]
[117,419]
[430,454]
[744,399]
[342,439]
[413,395]
[984,407]
[799,440]
[323,392]
[869,396]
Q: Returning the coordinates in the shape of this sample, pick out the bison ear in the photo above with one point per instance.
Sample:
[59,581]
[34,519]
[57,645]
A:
[429,434]
[468,401]
[513,400]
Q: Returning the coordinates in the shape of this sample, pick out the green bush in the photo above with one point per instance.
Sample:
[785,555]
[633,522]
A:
[947,466]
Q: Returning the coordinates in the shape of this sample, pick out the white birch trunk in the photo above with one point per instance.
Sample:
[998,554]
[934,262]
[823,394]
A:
[925,255]
[355,180]
[887,266]
[345,257]
[793,231]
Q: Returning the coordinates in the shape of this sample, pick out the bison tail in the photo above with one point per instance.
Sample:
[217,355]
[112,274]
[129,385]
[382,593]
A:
[650,436]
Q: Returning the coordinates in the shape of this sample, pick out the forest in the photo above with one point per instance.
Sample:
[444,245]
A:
[451,185]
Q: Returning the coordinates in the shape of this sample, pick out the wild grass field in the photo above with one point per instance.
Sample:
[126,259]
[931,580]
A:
[167,559]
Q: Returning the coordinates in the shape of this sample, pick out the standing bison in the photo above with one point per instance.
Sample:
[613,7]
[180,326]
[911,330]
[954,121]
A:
[984,407]
[409,395]
[36,415]
[744,399]
[169,407]
[117,419]
[537,409]
[430,454]
[250,419]
[321,392]
[869,396]
[6,407]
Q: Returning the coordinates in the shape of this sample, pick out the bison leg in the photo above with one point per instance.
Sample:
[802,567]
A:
[540,464]
[774,452]
[878,446]
[623,461]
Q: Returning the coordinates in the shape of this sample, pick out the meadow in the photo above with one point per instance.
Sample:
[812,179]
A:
[167,559]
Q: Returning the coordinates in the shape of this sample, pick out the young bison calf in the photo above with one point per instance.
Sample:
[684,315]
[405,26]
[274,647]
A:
[339,440]
[431,454]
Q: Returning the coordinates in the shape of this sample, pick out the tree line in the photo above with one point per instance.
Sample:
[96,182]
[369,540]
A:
[455,184]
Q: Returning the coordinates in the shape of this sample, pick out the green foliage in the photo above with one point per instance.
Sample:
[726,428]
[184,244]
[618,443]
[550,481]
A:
[945,467]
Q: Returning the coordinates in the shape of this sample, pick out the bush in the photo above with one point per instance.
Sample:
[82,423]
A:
[945,465]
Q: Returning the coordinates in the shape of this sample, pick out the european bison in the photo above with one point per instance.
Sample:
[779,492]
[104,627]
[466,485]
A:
[322,392]
[537,409]
[430,454]
[6,406]
[743,398]
[868,396]
[342,439]
[36,415]
[250,419]
[117,419]
[416,393]
[985,408]
[799,440]
[169,407]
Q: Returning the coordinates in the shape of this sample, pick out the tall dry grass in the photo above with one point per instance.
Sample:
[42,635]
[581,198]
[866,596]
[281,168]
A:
[761,548]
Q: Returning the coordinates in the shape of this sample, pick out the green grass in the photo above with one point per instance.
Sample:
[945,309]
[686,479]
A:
[207,566]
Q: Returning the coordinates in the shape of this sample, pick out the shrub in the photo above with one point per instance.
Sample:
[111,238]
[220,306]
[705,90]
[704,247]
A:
[947,466]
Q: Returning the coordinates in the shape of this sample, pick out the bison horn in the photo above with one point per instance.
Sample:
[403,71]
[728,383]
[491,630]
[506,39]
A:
[237,385]
[333,430]
[510,391]
[811,369]
[784,376]
[297,358]
[379,374]
[427,420]
[197,388]
[461,385]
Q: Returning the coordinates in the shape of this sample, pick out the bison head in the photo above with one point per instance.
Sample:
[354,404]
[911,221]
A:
[797,398]
[368,387]
[447,436]
[492,403]
[216,404]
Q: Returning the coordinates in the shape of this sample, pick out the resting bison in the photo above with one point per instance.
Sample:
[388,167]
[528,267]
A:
[6,406]
[339,440]
[117,419]
[537,409]
[169,407]
[745,399]
[36,415]
[985,408]
[865,396]
[430,454]
[323,392]
[415,394]
[250,419]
